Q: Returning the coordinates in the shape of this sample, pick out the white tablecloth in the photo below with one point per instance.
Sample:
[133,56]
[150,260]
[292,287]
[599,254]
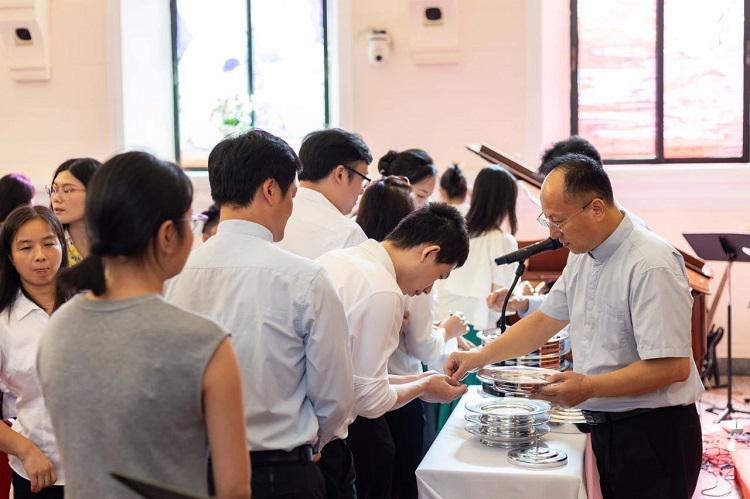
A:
[458,466]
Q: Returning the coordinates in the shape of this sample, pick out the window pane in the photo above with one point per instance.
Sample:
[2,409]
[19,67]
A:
[616,77]
[703,75]
[288,67]
[212,74]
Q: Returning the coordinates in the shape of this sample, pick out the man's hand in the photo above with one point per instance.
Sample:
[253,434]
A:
[38,467]
[567,389]
[459,363]
[455,326]
[442,389]
[464,344]
[495,301]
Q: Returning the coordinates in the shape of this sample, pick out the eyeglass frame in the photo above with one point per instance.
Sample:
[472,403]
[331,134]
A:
[367,180]
[196,220]
[548,224]
[53,189]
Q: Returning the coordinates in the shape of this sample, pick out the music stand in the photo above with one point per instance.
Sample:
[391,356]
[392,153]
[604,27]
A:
[728,248]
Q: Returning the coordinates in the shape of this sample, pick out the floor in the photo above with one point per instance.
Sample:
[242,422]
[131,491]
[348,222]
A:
[717,476]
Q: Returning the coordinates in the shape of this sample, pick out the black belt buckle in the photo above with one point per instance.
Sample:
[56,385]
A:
[594,417]
[301,454]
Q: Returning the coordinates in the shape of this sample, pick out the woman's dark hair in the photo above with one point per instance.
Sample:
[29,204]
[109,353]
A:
[436,223]
[129,198]
[212,218]
[383,205]
[453,182]
[10,279]
[16,189]
[493,199]
[414,164]
[81,168]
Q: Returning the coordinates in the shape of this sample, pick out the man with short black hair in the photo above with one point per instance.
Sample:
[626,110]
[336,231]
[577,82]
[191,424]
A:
[334,175]
[371,279]
[575,144]
[287,323]
[625,294]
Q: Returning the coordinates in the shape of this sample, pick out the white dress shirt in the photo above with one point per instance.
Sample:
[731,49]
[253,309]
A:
[288,329]
[365,280]
[628,299]
[20,333]
[317,226]
[467,287]
[419,342]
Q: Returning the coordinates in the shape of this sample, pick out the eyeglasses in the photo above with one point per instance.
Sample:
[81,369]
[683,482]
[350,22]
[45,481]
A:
[547,224]
[197,220]
[365,179]
[65,189]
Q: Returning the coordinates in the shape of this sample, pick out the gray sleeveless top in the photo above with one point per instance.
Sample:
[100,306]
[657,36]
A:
[123,384]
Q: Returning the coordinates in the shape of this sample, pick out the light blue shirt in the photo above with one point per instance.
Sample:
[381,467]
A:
[288,329]
[627,300]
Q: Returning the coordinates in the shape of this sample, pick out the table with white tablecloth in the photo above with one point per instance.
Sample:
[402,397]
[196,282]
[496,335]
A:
[459,466]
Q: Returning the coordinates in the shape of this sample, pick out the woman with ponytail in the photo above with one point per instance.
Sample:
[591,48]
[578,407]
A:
[133,384]
[33,249]
[417,166]
[453,188]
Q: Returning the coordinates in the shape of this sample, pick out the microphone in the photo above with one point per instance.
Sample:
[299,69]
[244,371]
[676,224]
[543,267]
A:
[524,253]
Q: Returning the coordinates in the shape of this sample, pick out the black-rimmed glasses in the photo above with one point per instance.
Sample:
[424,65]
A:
[365,179]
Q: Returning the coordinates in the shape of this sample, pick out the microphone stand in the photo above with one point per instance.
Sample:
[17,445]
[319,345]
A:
[519,272]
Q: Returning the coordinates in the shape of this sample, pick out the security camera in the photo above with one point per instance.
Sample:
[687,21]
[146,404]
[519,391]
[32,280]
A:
[378,46]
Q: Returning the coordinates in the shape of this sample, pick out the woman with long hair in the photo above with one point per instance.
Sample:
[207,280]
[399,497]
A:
[67,194]
[493,207]
[33,248]
[133,384]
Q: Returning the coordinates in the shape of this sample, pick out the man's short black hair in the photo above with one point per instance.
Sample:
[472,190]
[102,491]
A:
[584,177]
[324,150]
[239,165]
[575,144]
[436,223]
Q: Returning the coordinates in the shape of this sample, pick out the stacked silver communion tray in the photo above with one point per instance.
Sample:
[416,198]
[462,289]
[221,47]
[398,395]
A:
[551,355]
[514,381]
[507,422]
[565,419]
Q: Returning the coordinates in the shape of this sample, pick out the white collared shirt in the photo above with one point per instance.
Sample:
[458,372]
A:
[288,329]
[466,289]
[20,333]
[365,280]
[628,299]
[317,226]
[419,342]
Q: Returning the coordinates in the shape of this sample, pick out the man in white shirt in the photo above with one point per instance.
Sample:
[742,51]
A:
[334,175]
[371,279]
[287,324]
[625,294]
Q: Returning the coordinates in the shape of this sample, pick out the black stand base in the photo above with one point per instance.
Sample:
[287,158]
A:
[725,413]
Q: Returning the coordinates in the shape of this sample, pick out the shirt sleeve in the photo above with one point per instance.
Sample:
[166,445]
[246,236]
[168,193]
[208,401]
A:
[422,340]
[555,303]
[376,323]
[661,313]
[535,303]
[328,360]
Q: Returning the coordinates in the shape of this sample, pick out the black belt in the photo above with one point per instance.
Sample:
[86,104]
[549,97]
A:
[599,417]
[301,454]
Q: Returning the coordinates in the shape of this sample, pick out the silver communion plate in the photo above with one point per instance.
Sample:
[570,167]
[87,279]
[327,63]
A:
[538,457]
[493,439]
[508,408]
[502,422]
[520,376]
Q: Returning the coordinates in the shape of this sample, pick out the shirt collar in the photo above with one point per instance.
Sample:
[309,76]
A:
[378,253]
[23,306]
[244,228]
[318,198]
[606,249]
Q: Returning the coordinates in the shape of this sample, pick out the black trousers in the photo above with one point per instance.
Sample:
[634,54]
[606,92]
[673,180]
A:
[288,481]
[337,465]
[656,454]
[22,489]
[374,452]
[407,430]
